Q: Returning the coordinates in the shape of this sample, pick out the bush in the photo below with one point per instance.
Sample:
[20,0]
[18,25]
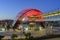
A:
[1,37]
[13,36]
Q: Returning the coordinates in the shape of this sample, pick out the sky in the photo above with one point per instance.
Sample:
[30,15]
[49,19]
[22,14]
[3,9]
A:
[9,9]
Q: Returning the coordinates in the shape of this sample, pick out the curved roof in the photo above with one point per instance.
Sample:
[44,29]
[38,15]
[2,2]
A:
[29,12]
[25,11]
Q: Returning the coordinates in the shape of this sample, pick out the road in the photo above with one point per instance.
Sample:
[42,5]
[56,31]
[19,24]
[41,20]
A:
[53,39]
[20,34]
[33,33]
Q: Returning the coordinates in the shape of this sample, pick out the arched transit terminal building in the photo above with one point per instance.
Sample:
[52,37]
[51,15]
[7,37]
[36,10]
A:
[30,18]
[34,19]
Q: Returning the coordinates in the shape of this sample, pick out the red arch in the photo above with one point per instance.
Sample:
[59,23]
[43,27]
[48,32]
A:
[30,12]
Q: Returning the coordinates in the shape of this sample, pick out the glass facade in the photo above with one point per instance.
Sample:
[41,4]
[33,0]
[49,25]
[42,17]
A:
[53,17]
